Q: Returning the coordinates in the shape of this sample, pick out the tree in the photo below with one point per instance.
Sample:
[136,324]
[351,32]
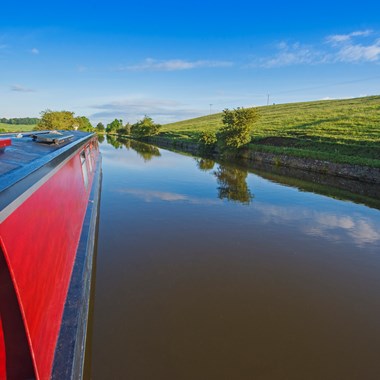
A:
[84,124]
[127,128]
[236,129]
[114,126]
[56,120]
[100,128]
[145,127]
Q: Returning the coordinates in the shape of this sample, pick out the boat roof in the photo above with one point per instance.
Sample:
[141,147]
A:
[30,151]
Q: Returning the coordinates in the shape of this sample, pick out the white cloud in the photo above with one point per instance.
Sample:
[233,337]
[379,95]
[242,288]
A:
[20,88]
[359,53]
[35,51]
[339,38]
[150,64]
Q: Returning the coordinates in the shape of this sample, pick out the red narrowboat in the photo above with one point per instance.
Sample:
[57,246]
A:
[49,197]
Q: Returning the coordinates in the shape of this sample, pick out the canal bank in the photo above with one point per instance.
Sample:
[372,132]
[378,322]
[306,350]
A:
[356,172]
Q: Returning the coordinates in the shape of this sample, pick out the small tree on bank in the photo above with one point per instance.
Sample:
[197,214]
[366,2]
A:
[114,126]
[84,124]
[126,130]
[51,120]
[145,128]
[100,128]
[63,120]
[236,130]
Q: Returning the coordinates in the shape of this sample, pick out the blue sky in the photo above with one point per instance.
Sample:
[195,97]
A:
[171,60]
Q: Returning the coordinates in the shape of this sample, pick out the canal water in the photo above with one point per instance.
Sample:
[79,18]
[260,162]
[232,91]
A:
[208,271]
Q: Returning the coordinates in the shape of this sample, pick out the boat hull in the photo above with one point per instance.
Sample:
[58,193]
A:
[40,235]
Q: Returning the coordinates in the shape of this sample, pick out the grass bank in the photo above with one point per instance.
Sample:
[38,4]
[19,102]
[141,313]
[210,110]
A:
[340,131]
[16,128]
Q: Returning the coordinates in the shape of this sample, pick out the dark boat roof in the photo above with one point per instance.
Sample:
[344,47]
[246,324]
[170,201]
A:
[31,151]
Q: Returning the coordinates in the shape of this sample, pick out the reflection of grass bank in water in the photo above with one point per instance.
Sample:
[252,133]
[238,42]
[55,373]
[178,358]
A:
[330,186]
[233,186]
[343,131]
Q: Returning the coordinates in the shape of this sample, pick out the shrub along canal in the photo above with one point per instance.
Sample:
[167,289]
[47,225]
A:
[208,271]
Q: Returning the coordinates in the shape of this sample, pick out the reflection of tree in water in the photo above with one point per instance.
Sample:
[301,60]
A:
[114,141]
[101,138]
[232,184]
[145,151]
[125,142]
[205,164]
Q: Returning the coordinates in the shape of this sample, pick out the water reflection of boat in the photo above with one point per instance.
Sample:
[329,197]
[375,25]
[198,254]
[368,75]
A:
[49,193]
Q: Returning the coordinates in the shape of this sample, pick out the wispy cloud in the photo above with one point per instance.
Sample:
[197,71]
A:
[20,88]
[81,68]
[35,51]
[134,108]
[151,64]
[355,47]
[339,38]
[356,53]
[291,54]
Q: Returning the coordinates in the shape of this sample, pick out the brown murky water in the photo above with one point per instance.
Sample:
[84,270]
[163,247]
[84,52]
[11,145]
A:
[206,271]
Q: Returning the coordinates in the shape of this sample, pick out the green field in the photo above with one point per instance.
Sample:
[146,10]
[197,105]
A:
[346,131]
[15,128]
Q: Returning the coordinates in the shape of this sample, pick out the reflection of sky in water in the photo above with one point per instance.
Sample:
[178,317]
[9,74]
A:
[189,268]
[325,224]
[176,178]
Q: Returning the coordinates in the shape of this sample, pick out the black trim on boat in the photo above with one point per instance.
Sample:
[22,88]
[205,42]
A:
[70,352]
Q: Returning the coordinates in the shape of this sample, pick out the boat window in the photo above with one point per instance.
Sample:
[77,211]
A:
[89,158]
[84,168]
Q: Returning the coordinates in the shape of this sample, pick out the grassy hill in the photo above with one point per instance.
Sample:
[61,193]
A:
[346,131]
[16,128]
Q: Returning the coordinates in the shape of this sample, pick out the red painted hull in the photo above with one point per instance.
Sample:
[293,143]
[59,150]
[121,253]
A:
[39,240]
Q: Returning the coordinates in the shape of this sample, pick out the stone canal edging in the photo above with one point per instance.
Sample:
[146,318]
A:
[355,172]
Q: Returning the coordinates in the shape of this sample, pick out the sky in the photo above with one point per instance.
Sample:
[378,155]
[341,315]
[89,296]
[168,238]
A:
[175,60]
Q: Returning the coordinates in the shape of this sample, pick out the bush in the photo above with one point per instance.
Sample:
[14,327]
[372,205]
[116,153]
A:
[236,130]
[145,128]
[208,139]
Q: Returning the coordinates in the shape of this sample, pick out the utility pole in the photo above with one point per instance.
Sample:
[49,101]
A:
[268,100]
[210,108]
